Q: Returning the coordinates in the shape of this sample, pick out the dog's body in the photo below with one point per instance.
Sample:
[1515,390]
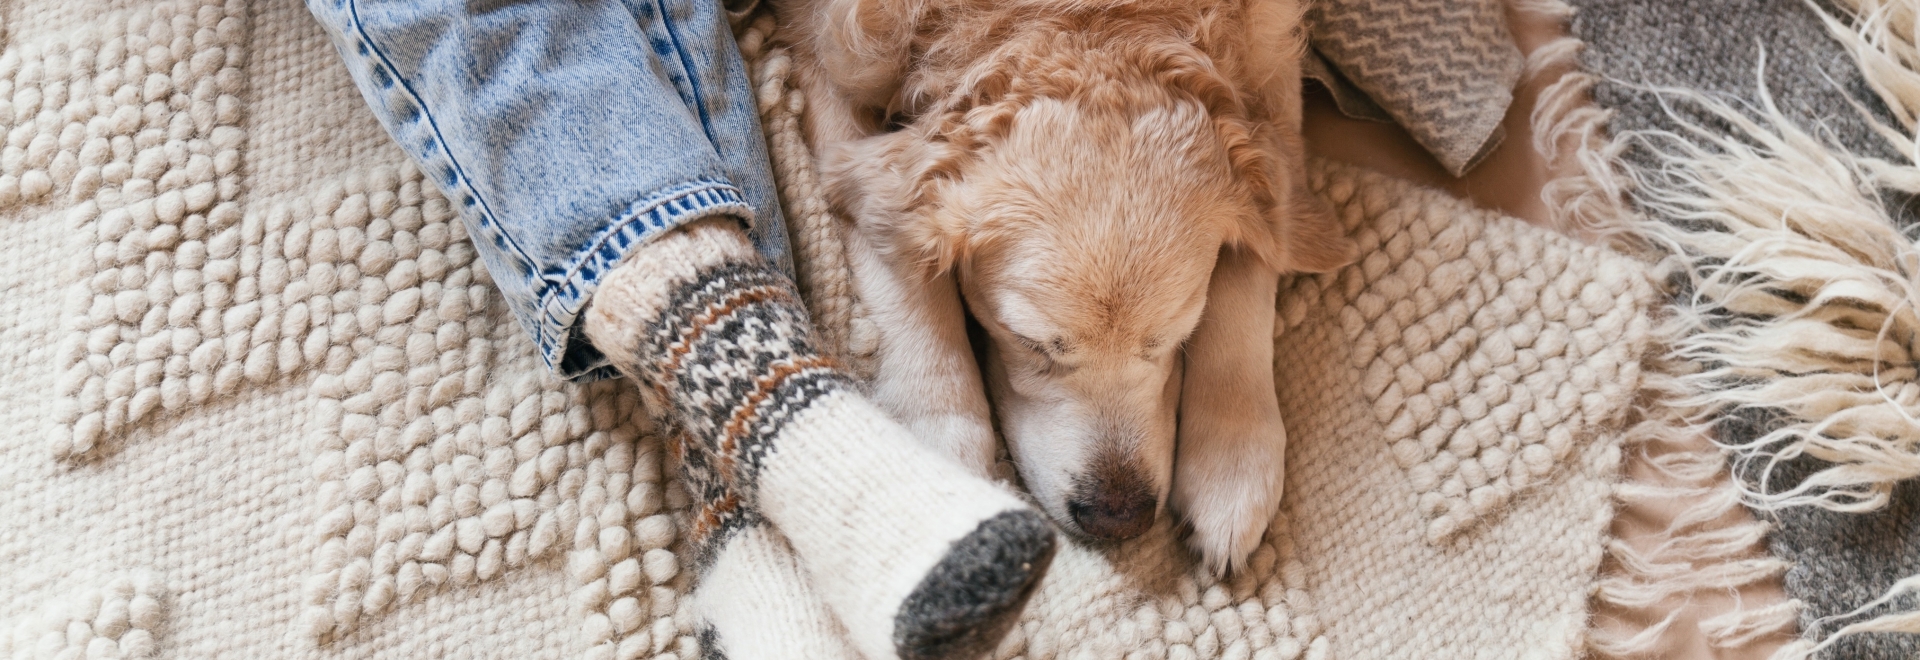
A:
[1102,184]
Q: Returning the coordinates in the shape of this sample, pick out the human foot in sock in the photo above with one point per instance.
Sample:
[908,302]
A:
[917,557]
[752,598]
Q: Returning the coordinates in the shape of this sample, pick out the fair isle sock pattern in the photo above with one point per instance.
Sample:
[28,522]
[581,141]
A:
[732,361]
[720,511]
[729,355]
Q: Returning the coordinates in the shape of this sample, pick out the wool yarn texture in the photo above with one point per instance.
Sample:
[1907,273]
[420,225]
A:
[1774,176]
[917,558]
[258,374]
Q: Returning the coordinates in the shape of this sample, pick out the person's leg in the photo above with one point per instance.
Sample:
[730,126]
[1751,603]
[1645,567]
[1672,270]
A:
[918,557]
[565,132]
[577,135]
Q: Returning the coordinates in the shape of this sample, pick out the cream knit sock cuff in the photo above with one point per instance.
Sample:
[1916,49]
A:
[916,557]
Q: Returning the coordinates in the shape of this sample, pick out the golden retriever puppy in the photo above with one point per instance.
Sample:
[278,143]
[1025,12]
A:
[1111,188]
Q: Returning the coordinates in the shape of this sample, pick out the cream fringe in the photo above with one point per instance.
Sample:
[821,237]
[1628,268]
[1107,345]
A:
[1570,131]
[1881,39]
[1697,552]
[1802,297]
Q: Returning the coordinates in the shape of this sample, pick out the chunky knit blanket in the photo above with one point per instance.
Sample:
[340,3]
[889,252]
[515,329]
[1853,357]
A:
[263,402]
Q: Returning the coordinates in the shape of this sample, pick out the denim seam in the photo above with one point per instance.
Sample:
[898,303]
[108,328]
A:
[553,297]
[686,69]
[440,140]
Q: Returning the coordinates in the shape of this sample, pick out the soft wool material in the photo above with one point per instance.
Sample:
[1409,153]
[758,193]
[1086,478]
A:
[1792,258]
[919,559]
[759,603]
[1715,46]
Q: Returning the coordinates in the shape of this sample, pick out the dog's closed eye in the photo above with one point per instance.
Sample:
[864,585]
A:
[1031,345]
[1046,353]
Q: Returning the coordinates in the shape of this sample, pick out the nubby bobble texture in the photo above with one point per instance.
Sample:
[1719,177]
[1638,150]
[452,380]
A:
[818,523]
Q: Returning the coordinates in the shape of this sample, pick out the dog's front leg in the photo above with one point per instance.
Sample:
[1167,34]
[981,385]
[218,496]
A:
[1230,464]
[925,374]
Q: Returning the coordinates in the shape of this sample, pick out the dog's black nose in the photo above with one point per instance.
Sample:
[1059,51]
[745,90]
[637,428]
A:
[1112,513]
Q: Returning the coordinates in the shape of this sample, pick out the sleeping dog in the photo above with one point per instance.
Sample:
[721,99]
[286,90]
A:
[1111,188]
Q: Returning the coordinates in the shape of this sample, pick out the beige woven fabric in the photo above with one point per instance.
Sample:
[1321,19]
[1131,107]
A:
[1452,402]
[263,403]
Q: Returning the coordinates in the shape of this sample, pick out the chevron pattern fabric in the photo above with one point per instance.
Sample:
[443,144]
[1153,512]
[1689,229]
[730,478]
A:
[1444,69]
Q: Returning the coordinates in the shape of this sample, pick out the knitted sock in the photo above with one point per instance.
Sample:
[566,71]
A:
[917,558]
[755,603]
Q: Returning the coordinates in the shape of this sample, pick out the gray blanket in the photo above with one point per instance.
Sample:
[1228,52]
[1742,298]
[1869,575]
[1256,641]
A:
[1840,560]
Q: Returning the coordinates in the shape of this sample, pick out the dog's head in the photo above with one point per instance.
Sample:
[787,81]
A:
[1080,188]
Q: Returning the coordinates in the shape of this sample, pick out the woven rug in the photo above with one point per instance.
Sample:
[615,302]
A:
[263,402]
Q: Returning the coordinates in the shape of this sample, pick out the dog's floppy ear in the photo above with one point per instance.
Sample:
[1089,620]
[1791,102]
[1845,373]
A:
[886,184]
[1300,232]
[1312,236]
[1294,231]
[1275,41]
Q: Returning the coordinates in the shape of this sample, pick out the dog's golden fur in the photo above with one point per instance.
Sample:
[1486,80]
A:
[974,65]
[1086,176]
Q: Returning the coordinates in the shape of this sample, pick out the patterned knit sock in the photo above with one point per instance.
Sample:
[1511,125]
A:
[916,557]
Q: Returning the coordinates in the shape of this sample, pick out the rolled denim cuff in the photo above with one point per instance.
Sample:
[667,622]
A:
[565,133]
[558,335]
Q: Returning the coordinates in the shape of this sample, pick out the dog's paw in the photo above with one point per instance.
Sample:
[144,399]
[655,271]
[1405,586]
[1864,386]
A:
[966,438]
[1228,522]
[1227,487]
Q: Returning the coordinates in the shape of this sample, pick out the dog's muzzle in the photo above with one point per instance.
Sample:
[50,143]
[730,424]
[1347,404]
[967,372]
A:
[1113,504]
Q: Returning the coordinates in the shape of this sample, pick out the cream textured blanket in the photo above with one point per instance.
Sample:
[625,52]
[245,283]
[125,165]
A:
[262,402]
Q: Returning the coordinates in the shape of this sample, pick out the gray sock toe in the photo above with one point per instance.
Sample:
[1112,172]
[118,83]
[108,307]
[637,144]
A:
[971,599]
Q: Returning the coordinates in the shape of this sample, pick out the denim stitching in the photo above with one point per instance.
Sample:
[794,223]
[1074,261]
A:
[700,198]
[472,197]
[647,210]
[662,211]
[687,70]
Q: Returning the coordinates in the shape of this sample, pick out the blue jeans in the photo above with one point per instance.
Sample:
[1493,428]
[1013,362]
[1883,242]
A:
[566,132]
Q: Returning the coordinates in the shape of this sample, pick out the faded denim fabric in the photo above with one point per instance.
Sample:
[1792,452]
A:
[566,132]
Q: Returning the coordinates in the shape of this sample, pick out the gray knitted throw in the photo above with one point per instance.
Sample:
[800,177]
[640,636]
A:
[1443,69]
